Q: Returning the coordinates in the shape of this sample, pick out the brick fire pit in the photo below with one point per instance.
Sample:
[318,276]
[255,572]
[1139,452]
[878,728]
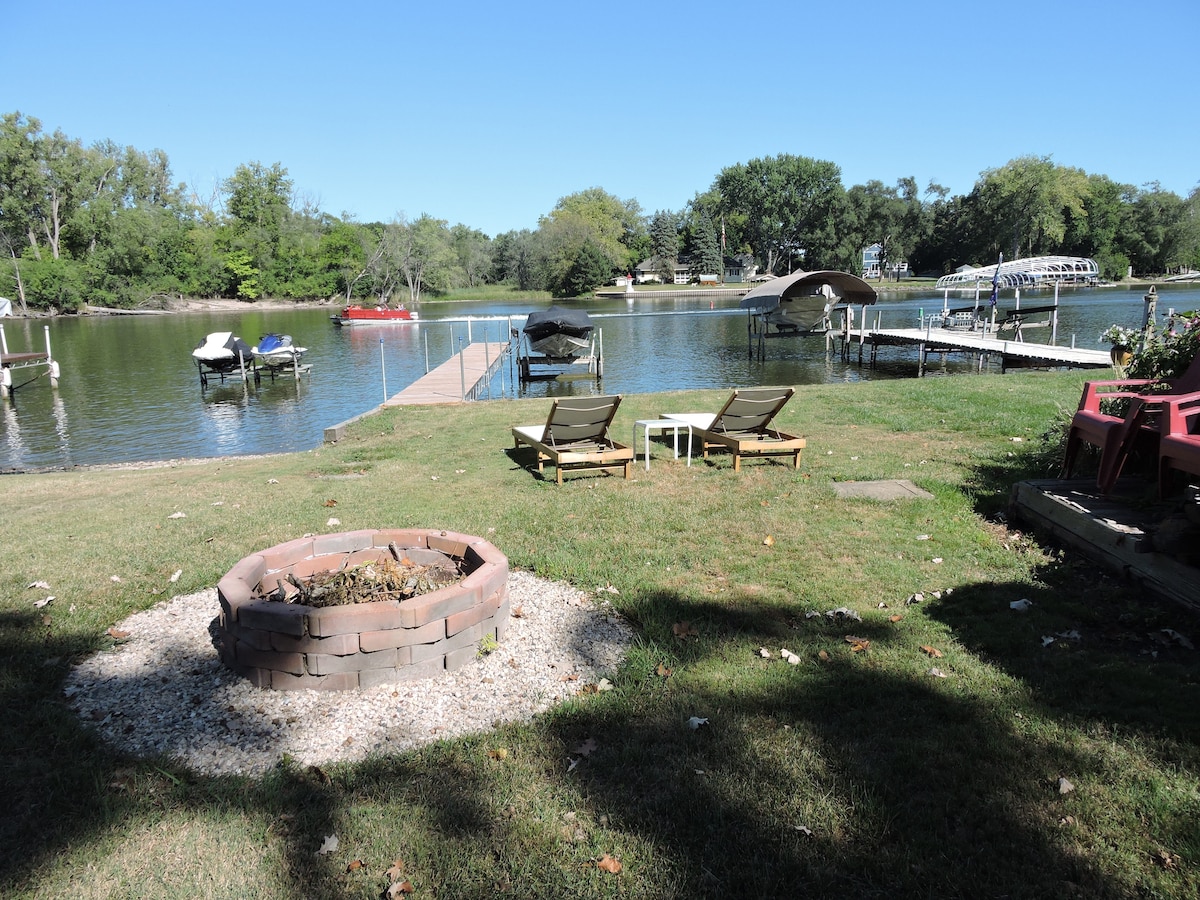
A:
[288,646]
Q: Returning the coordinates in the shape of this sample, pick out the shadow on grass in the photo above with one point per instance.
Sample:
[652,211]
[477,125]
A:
[832,777]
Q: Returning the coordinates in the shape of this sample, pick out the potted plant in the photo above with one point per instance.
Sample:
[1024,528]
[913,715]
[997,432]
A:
[1123,341]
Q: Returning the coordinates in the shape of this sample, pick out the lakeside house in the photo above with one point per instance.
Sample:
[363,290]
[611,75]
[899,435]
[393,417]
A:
[737,269]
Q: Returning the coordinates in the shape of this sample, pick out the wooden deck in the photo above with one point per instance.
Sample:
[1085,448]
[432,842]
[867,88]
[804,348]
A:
[462,377]
[1115,531]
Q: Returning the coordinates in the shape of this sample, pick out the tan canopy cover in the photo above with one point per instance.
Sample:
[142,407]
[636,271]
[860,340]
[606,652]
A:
[850,289]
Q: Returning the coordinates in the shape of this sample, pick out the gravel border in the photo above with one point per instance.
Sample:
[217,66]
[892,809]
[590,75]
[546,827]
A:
[162,690]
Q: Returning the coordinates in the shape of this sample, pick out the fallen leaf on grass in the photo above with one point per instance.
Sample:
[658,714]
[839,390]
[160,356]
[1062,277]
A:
[329,845]
[823,655]
[587,748]
[175,575]
[792,658]
[932,651]
[574,676]
[395,870]
[608,864]
[937,673]
[1165,859]
[500,753]
[768,541]
[764,652]
[1064,786]
[1178,638]
[803,829]
[42,604]
[1021,605]
[354,865]
[177,515]
[517,612]
[684,630]
[398,888]
[662,671]
[857,644]
[696,722]
[331,502]
[40,585]
[332,521]
[117,634]
[895,618]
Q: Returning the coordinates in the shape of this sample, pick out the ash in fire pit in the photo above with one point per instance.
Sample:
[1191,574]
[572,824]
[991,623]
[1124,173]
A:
[361,608]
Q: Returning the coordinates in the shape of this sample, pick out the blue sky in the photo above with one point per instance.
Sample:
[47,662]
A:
[486,114]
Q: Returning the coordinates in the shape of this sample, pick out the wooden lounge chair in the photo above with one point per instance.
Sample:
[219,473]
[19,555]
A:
[1178,445]
[743,426]
[1117,435]
[575,436]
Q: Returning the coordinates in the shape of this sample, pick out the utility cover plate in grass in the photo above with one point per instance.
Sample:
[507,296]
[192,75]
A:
[896,489]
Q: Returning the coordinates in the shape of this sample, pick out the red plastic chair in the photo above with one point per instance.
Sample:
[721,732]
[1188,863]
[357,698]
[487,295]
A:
[1178,446]
[1116,436]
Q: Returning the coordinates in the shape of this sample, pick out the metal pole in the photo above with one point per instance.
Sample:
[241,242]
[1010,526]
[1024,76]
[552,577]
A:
[1054,323]
[383,370]
[487,362]
[462,369]
[426,336]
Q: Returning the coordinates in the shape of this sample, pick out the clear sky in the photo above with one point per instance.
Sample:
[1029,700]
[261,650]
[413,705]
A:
[487,113]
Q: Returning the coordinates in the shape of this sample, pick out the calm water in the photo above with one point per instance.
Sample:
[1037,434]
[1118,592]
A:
[130,391]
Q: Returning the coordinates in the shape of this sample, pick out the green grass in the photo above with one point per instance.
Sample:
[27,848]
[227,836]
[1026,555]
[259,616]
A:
[851,773]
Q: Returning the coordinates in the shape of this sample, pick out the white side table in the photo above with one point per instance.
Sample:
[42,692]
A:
[660,426]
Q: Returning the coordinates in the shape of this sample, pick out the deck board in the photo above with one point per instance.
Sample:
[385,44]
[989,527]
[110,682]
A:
[1112,531]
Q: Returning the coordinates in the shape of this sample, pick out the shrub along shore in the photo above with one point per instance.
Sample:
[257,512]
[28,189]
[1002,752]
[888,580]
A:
[940,748]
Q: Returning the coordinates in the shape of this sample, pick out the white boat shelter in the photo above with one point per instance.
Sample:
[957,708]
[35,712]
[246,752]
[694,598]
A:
[1030,272]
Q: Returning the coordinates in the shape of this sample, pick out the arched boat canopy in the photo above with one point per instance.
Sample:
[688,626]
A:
[1028,272]
[846,289]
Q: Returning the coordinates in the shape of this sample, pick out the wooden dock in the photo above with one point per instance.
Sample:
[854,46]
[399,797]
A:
[1014,353]
[463,377]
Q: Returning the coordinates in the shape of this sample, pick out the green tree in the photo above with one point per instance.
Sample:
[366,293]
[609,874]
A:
[421,252]
[791,207]
[664,244]
[589,269]
[1028,202]
[515,256]
[616,227]
[706,252]
[473,252]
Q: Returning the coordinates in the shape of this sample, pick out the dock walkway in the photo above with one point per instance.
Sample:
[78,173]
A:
[1012,353]
[463,377]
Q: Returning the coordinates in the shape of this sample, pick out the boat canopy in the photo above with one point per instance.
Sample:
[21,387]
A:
[1030,271]
[847,289]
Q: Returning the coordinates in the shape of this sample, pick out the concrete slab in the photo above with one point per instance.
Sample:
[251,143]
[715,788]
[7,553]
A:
[896,489]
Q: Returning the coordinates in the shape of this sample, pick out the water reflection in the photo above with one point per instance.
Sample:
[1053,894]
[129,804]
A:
[129,388]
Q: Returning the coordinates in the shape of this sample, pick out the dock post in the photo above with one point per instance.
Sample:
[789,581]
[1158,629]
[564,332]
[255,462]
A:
[51,365]
[462,367]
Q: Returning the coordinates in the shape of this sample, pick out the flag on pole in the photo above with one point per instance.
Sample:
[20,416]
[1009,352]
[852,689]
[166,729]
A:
[996,281]
[722,233]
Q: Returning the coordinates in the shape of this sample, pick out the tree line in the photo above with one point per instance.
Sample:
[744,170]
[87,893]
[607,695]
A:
[106,225]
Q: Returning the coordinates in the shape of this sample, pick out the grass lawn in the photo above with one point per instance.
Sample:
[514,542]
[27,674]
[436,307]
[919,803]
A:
[855,772]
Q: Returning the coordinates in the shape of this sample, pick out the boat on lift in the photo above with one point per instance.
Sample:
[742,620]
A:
[373,315]
[276,351]
[223,354]
[559,332]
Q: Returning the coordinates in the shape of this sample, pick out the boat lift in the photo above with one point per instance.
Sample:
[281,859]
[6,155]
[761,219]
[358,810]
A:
[537,367]
[12,361]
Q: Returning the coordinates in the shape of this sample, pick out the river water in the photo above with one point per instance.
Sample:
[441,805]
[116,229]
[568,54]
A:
[129,390]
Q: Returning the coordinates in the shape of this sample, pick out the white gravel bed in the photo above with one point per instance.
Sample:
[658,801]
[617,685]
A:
[163,689]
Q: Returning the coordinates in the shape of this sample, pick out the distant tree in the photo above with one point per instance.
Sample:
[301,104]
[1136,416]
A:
[1027,203]
[590,269]
[664,244]
[706,252]
[422,253]
[473,251]
[515,260]
[790,206]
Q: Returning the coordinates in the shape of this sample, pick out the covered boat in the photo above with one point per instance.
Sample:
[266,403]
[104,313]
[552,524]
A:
[373,315]
[801,302]
[277,350]
[559,332]
[222,353]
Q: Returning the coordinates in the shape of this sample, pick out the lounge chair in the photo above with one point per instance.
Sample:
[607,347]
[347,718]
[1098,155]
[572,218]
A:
[1117,435]
[1178,446]
[743,426]
[575,436]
